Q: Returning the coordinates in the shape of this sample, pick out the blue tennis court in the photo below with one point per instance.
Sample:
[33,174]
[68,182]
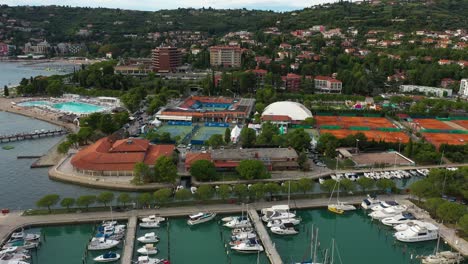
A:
[204,133]
[175,131]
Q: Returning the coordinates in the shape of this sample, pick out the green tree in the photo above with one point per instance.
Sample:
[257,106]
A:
[305,185]
[241,191]
[145,199]
[163,195]
[215,141]
[124,198]
[257,191]
[328,185]
[385,184]
[252,169]
[106,124]
[272,188]
[303,161]
[309,121]
[423,189]
[67,202]
[205,192]
[183,194]
[203,170]
[141,173]
[365,183]
[224,191]
[463,223]
[227,135]
[6,92]
[48,201]
[86,200]
[298,139]
[64,147]
[287,186]
[105,198]
[347,185]
[269,130]
[84,134]
[247,137]
[451,212]
[54,88]
[165,170]
[433,203]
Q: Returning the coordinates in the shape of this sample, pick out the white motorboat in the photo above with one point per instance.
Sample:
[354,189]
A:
[200,218]
[285,229]
[14,256]
[149,238]
[110,230]
[443,257]
[151,224]
[243,236]
[384,204]
[153,218]
[22,244]
[148,249]
[418,233]
[13,261]
[277,216]
[6,250]
[321,180]
[398,219]
[275,208]
[404,226]
[241,222]
[109,223]
[24,236]
[148,260]
[237,231]
[388,212]
[279,222]
[102,243]
[107,257]
[250,246]
[370,202]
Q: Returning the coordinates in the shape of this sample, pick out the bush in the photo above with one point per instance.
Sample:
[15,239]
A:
[203,170]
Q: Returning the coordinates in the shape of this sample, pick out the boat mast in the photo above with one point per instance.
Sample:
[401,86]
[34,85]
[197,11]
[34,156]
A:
[332,251]
[312,243]
[315,247]
[289,197]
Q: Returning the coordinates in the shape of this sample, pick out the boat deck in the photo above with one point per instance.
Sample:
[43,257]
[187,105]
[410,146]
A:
[270,249]
[129,240]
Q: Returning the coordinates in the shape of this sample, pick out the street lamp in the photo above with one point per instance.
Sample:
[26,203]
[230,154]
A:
[357,147]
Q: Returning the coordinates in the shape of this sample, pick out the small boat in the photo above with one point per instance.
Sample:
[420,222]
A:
[107,257]
[384,204]
[200,218]
[370,202]
[237,231]
[277,216]
[398,219]
[151,224]
[153,218]
[24,236]
[148,260]
[6,250]
[249,246]
[22,244]
[418,233]
[443,257]
[109,223]
[102,243]
[275,208]
[148,249]
[279,222]
[335,210]
[149,238]
[321,180]
[241,222]
[388,212]
[285,229]
[243,236]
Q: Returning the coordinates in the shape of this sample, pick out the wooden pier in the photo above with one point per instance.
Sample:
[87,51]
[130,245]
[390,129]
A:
[270,249]
[129,243]
[32,135]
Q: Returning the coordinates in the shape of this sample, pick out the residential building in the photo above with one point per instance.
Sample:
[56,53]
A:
[427,90]
[292,82]
[166,59]
[225,56]
[463,88]
[259,78]
[326,84]
[7,50]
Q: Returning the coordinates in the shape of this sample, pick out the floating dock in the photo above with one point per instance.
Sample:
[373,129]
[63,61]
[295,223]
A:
[270,249]
[129,240]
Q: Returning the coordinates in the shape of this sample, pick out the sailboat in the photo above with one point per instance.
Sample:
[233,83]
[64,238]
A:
[339,207]
[442,257]
[313,249]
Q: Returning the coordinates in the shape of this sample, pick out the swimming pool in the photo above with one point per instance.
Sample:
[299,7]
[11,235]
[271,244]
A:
[74,107]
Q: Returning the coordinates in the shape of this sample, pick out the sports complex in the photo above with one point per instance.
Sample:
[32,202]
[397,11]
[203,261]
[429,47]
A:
[438,131]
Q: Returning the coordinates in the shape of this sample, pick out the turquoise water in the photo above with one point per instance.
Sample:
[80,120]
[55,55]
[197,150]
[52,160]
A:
[74,107]
[203,243]
[66,244]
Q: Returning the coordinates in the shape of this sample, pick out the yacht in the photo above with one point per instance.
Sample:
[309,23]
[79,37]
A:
[6,250]
[148,260]
[244,236]
[151,224]
[285,229]
[22,244]
[109,223]
[249,246]
[339,207]
[240,222]
[237,231]
[443,257]
[282,208]
[149,238]
[278,216]
[200,218]
[148,249]
[279,222]
[153,218]
[102,243]
[343,206]
[23,236]
[107,257]
[388,212]
[398,219]
[370,202]
[404,226]
[418,233]
[384,204]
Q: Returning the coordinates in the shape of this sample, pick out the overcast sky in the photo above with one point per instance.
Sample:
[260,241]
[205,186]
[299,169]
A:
[151,5]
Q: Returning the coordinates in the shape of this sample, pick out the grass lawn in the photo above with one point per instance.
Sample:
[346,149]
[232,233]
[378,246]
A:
[342,164]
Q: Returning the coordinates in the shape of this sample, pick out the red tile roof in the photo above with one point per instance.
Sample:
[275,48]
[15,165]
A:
[276,118]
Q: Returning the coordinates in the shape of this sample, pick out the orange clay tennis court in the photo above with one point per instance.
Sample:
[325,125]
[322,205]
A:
[432,124]
[375,135]
[347,121]
[463,123]
[438,139]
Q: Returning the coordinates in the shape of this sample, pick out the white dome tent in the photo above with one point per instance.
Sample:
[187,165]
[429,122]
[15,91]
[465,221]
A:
[286,111]
[235,133]
[156,122]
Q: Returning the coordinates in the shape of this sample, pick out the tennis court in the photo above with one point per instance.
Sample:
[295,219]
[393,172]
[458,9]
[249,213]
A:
[463,123]
[375,135]
[175,130]
[438,139]
[430,123]
[204,133]
[348,121]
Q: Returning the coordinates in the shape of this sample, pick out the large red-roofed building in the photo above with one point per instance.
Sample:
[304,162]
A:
[326,84]
[117,158]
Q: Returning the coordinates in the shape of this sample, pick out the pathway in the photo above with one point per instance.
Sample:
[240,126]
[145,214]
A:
[270,249]
[129,240]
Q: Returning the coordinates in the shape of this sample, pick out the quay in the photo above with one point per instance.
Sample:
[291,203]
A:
[32,135]
[270,249]
[129,240]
